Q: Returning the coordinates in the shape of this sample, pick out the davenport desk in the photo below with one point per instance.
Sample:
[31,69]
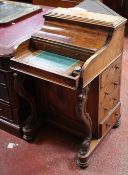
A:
[75,62]
[17,22]
[77,58]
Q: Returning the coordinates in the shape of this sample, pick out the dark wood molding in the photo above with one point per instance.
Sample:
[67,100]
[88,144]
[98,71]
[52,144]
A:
[33,121]
[84,115]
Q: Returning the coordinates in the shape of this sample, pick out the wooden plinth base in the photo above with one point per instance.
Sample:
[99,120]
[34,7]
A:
[83,161]
[11,128]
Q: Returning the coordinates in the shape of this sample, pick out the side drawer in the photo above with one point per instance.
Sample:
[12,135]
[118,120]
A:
[109,97]
[111,73]
[4,94]
[5,112]
[108,123]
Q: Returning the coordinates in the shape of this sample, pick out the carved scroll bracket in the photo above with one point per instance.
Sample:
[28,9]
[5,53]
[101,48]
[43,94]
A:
[82,113]
[32,122]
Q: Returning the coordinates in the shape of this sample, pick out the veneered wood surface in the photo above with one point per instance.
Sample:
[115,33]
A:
[12,35]
[103,58]
[83,37]
[63,78]
[62,103]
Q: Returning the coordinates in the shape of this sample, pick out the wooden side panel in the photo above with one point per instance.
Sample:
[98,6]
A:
[61,104]
[103,58]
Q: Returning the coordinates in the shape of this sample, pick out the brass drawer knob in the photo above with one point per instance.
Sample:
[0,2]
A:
[106,109]
[116,83]
[117,67]
[107,93]
[108,125]
[76,71]
[116,114]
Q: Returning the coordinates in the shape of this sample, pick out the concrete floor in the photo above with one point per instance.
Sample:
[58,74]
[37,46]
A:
[54,152]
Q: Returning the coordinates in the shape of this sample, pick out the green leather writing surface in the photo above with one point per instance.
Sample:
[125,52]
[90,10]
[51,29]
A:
[51,60]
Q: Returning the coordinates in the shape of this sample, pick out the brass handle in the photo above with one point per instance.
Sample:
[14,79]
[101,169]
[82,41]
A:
[106,109]
[107,93]
[108,125]
[115,99]
[116,114]
[116,83]
[117,67]
[76,71]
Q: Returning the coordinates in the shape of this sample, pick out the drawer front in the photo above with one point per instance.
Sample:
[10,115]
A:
[2,78]
[4,94]
[109,97]
[111,73]
[109,122]
[5,112]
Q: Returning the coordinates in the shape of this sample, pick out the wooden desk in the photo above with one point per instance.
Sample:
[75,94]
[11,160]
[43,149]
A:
[76,57]
[13,30]
[81,96]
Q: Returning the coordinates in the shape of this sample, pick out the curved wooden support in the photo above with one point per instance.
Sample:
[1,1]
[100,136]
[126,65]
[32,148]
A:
[82,113]
[33,121]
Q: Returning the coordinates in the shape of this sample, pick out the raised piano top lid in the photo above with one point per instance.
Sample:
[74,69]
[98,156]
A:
[77,27]
[82,16]
[12,11]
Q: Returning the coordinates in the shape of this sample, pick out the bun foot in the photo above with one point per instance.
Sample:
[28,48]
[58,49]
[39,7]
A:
[30,130]
[82,158]
[28,135]
[82,162]
[117,124]
[28,138]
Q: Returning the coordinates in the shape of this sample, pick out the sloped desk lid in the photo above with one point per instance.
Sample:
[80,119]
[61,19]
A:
[12,11]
